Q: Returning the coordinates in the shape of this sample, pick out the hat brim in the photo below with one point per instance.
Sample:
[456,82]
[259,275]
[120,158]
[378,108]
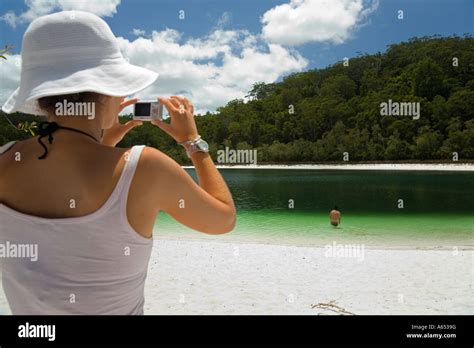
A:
[115,78]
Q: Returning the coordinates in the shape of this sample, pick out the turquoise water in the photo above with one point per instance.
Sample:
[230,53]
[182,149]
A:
[437,208]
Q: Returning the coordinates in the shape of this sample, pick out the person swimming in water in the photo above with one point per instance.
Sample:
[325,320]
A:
[335,216]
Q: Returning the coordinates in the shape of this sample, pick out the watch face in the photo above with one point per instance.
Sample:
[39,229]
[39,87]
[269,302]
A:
[202,145]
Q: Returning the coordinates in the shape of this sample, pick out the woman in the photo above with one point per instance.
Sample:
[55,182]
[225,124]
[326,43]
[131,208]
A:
[88,206]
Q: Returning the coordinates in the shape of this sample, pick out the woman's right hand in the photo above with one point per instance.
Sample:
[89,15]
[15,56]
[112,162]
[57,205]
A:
[182,126]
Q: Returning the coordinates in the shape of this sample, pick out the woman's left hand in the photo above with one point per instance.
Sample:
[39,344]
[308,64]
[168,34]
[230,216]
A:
[115,134]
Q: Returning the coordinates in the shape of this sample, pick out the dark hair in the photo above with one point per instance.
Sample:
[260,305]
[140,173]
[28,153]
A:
[336,208]
[48,103]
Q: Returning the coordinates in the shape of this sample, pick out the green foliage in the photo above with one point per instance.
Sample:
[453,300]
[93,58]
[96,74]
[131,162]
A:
[427,143]
[339,86]
[28,127]
[428,79]
[5,50]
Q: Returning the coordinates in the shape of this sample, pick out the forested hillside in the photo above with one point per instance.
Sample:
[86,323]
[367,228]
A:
[316,116]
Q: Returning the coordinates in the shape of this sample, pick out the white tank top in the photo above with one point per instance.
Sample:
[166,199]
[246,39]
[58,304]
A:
[93,264]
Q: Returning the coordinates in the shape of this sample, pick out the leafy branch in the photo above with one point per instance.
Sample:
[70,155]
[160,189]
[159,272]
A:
[28,127]
[6,50]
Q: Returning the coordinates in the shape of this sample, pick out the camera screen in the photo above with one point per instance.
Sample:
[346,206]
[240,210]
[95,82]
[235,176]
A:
[142,109]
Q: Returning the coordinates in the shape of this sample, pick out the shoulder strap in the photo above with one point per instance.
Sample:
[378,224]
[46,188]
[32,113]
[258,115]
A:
[6,147]
[129,171]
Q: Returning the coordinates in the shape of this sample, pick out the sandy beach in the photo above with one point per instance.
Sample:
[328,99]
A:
[195,277]
[468,167]
[212,277]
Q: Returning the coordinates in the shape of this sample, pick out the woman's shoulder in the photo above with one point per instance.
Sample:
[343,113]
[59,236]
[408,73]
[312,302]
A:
[10,151]
[16,145]
[4,148]
[155,159]
[155,166]
[8,154]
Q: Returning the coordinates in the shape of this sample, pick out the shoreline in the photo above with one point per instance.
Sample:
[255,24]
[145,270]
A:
[461,167]
[297,244]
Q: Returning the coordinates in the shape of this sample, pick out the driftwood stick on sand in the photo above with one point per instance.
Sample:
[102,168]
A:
[332,307]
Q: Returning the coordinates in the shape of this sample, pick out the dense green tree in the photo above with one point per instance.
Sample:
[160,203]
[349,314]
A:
[459,141]
[338,86]
[427,143]
[371,81]
[396,148]
[428,79]
[461,104]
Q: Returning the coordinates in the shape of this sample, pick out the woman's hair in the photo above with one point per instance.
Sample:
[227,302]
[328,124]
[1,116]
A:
[48,103]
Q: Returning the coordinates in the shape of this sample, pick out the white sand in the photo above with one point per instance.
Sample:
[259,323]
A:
[468,167]
[195,277]
[208,277]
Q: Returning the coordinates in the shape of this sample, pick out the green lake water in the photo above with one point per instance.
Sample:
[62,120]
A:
[437,208]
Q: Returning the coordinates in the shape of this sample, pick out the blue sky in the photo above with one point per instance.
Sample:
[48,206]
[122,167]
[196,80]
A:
[371,33]
[421,17]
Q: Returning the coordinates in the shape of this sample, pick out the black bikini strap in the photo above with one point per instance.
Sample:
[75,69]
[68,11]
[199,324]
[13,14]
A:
[48,128]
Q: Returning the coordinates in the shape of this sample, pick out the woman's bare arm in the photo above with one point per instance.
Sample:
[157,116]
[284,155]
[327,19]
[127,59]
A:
[207,207]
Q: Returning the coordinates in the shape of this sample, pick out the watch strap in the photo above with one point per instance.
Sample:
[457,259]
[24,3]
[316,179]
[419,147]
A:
[191,147]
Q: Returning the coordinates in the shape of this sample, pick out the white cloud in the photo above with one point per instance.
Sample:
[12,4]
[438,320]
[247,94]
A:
[223,65]
[210,70]
[138,32]
[10,18]
[10,71]
[37,8]
[302,21]
[224,20]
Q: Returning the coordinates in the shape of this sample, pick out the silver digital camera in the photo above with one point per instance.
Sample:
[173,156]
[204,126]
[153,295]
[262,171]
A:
[148,111]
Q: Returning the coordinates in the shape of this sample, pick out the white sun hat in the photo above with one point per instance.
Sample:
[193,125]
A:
[70,52]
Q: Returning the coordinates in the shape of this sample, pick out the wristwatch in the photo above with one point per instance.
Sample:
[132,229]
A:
[195,145]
